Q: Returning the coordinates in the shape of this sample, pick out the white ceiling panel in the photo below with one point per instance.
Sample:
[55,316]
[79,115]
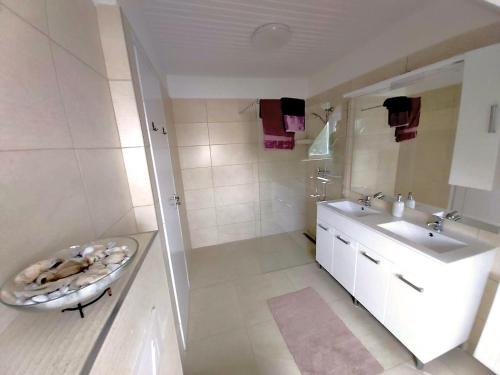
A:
[212,37]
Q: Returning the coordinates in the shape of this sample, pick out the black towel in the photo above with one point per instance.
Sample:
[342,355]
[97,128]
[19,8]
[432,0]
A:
[399,110]
[293,107]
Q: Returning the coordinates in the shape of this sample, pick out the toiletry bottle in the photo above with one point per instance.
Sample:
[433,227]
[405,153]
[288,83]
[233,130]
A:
[398,206]
[410,201]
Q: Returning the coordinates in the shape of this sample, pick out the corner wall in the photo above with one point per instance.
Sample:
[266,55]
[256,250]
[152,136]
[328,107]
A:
[62,175]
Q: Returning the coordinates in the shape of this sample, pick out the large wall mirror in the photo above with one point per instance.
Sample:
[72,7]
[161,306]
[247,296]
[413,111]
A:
[420,165]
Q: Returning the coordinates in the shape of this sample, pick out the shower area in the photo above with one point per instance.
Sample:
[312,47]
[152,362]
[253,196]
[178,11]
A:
[234,188]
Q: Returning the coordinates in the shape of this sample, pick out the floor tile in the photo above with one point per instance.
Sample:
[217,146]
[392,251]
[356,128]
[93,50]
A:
[226,354]
[254,292]
[213,310]
[435,367]
[270,350]
[462,363]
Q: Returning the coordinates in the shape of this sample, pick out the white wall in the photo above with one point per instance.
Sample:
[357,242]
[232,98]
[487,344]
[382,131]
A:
[194,87]
[440,20]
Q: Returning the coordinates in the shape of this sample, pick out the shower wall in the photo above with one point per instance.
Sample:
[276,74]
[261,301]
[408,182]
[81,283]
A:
[233,188]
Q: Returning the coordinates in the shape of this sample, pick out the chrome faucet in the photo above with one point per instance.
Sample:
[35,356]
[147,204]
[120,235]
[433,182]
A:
[437,224]
[366,201]
[453,215]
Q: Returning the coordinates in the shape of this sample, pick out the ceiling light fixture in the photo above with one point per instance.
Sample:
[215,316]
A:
[494,2]
[271,36]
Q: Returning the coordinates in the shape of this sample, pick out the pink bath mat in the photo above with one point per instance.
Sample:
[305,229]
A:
[318,339]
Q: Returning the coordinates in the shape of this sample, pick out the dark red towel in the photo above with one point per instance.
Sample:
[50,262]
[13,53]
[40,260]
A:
[410,131]
[275,135]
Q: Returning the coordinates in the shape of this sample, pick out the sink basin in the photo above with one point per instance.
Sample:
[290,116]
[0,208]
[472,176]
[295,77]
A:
[352,208]
[422,236]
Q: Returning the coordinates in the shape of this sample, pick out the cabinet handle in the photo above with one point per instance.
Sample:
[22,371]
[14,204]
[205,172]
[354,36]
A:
[376,261]
[322,227]
[493,117]
[164,131]
[154,127]
[341,239]
[417,288]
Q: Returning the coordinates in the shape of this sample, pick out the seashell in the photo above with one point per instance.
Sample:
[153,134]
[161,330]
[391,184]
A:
[114,250]
[55,294]
[88,250]
[65,269]
[114,258]
[111,244]
[40,298]
[64,289]
[86,279]
[7,296]
[32,272]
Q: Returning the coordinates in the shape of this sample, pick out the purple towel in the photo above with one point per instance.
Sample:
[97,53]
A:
[275,135]
[293,111]
[404,133]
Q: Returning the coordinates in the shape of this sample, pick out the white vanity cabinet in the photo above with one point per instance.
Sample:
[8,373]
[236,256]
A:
[344,264]
[324,245]
[426,303]
[476,155]
[372,277]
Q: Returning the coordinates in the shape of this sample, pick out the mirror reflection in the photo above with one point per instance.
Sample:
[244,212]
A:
[386,161]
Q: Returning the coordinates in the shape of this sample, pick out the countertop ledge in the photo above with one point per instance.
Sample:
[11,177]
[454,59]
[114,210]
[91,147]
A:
[62,343]
[371,222]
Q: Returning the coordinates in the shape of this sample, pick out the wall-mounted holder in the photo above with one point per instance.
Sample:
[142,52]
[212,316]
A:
[80,307]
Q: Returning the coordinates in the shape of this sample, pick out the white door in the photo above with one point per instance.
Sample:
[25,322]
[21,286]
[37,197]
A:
[372,278]
[324,246]
[169,222]
[344,266]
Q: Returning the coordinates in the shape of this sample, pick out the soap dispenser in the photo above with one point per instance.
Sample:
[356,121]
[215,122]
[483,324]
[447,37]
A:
[398,206]
[410,201]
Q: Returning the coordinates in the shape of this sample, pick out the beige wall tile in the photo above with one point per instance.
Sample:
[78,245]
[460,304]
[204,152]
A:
[113,42]
[227,110]
[31,11]
[203,198]
[145,216]
[233,132]
[192,134]
[106,186]
[237,232]
[127,116]
[43,206]
[197,178]
[188,111]
[87,100]
[201,218]
[233,154]
[227,195]
[138,176]
[203,237]
[124,226]
[194,156]
[73,24]
[235,174]
[30,104]
[236,213]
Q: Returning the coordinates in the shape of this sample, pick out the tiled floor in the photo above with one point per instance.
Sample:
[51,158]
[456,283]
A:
[232,331]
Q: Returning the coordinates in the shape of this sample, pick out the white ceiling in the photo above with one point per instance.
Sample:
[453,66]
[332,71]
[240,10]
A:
[212,37]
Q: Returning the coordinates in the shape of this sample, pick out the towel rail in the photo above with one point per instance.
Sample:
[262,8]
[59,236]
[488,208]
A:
[246,108]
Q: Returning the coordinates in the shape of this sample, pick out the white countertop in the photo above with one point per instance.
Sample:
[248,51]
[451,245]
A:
[53,342]
[473,246]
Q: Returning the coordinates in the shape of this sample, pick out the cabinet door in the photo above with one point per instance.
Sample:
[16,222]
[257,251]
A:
[344,266]
[324,246]
[476,152]
[372,276]
[407,310]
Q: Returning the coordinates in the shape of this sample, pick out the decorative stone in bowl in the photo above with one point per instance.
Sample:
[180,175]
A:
[71,277]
